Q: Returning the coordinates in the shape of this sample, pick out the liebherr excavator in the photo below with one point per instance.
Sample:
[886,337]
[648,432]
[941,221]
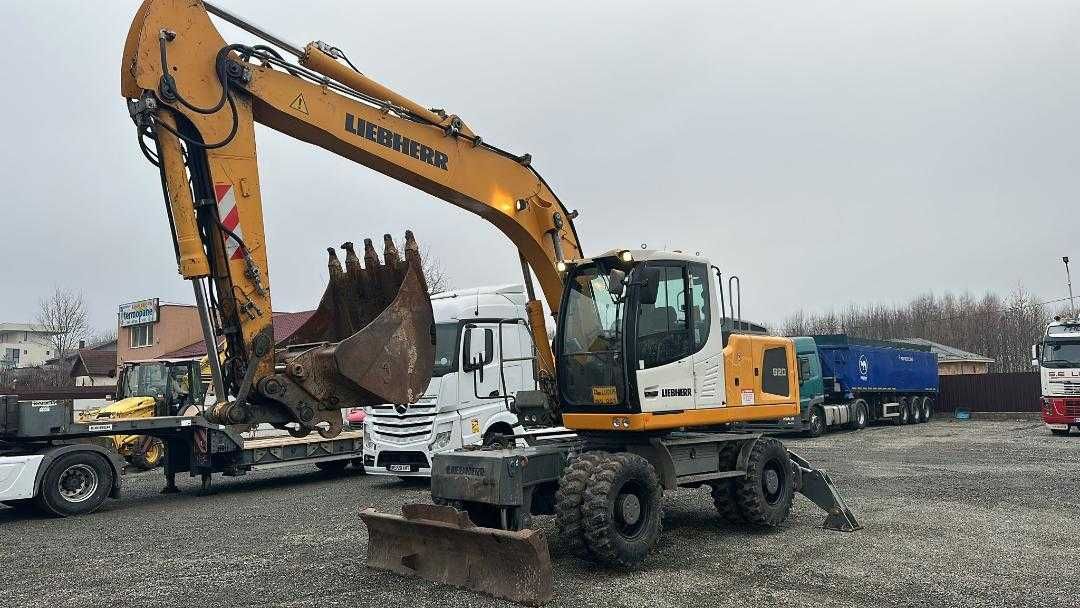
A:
[647,367]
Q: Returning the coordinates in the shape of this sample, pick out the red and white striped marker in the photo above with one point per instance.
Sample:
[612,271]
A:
[230,218]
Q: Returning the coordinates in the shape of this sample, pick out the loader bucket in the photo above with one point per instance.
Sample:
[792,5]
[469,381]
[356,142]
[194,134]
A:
[441,544]
[372,335]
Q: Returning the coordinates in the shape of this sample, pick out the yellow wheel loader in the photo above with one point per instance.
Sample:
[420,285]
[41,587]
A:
[155,387]
[647,371]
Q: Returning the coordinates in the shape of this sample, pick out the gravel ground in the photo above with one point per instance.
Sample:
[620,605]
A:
[982,513]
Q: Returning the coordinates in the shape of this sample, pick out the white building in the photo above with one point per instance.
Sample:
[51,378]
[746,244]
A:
[24,345]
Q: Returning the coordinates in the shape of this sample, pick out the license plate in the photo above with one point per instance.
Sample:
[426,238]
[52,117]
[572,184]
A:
[399,468]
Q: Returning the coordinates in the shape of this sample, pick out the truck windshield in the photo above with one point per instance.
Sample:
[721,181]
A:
[590,365]
[1061,354]
[445,349]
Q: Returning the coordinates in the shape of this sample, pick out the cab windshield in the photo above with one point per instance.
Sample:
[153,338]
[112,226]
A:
[1061,354]
[445,349]
[590,363]
[145,380]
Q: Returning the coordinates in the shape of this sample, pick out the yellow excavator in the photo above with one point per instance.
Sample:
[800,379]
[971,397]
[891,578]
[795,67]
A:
[648,369]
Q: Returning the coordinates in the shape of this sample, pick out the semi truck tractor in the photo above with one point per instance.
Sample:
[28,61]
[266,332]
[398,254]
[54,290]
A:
[848,382]
[468,400]
[1058,358]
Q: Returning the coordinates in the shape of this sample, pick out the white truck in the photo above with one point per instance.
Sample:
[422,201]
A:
[1058,358]
[484,355]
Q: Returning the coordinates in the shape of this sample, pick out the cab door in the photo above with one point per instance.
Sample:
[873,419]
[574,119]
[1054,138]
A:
[663,344]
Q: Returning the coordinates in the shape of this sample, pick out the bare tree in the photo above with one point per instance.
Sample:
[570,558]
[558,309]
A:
[63,315]
[101,337]
[1000,328]
[437,279]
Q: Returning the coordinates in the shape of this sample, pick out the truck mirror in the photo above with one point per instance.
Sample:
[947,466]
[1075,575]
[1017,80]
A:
[479,347]
[650,284]
[615,282]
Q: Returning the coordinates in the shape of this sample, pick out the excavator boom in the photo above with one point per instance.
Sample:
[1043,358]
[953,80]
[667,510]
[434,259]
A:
[195,98]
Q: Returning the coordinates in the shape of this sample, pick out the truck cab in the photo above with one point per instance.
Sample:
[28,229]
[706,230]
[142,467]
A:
[484,355]
[1058,358]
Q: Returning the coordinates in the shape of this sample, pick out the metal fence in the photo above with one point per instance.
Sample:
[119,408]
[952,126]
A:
[1013,392]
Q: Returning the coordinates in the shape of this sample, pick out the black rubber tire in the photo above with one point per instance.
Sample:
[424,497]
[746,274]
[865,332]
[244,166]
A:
[141,457]
[723,490]
[927,409]
[72,467]
[332,466]
[815,427]
[916,410]
[862,415]
[623,538]
[496,437]
[905,413]
[765,500]
[1060,432]
[568,499]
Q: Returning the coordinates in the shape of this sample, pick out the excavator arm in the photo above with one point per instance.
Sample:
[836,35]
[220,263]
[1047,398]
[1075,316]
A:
[196,98]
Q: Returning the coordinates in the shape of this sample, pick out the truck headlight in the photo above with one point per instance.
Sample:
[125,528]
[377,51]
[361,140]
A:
[369,443]
[442,439]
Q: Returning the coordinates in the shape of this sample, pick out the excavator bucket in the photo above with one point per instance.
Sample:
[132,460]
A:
[442,544]
[371,340]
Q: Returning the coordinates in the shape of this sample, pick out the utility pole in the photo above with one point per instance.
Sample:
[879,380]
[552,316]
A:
[1068,280]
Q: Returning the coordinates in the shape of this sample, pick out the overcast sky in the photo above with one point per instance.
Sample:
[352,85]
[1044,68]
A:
[828,152]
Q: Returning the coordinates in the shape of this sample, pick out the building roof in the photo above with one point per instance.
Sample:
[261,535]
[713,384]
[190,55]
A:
[285,325]
[948,354]
[31,327]
[90,362]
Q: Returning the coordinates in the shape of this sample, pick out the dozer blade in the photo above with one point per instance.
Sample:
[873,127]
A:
[442,544]
[816,485]
[376,328]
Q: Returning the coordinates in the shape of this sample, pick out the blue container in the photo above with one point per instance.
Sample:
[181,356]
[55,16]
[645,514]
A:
[859,365]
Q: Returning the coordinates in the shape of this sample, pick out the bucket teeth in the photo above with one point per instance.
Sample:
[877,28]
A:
[374,312]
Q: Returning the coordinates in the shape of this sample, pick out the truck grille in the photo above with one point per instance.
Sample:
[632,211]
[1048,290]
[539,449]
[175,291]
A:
[1069,388]
[1072,407]
[414,426]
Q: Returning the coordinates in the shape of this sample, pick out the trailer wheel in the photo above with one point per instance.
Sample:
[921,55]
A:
[927,409]
[816,425]
[568,499]
[862,415]
[766,492]
[905,413]
[75,483]
[622,511]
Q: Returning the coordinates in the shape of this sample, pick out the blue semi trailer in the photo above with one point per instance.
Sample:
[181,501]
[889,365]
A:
[852,382]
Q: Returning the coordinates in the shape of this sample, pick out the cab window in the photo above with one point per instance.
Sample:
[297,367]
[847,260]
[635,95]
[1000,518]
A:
[663,330]
[699,304]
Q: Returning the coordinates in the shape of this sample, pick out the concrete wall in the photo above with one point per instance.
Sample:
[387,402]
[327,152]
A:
[177,327]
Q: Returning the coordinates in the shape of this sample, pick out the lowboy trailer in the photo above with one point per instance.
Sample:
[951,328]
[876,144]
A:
[50,463]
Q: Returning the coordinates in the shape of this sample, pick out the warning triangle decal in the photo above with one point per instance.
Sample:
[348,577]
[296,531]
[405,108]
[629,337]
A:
[299,104]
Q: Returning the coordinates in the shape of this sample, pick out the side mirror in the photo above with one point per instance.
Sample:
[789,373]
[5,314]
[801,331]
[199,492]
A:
[650,285]
[804,370]
[616,280]
[478,349]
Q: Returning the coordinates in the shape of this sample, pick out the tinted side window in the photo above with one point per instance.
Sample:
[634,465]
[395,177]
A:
[699,304]
[663,332]
[774,372]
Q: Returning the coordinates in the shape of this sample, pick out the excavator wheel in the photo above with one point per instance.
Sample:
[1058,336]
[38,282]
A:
[622,512]
[765,493]
[724,490]
[568,499]
[148,453]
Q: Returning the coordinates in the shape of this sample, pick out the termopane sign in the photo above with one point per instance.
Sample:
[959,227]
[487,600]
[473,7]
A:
[137,313]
